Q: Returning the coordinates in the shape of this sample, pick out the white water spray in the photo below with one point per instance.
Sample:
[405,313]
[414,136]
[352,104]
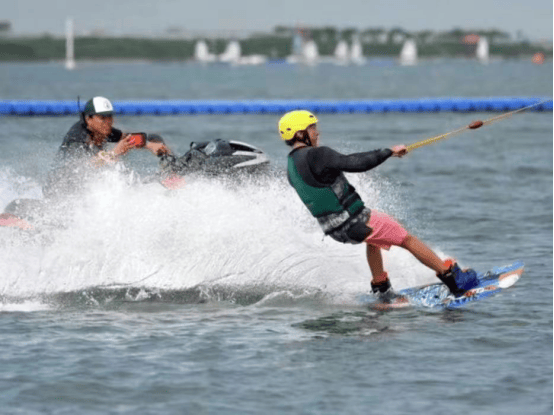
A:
[211,233]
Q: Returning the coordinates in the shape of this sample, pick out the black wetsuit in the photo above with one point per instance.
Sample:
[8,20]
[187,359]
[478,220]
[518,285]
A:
[70,170]
[316,173]
[77,143]
[326,164]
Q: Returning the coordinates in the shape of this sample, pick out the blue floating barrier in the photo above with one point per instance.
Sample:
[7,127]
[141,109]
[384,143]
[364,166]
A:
[68,108]
[145,108]
[128,109]
[377,106]
[252,107]
[163,108]
[202,107]
[175,107]
[480,105]
[430,105]
[447,105]
[272,108]
[5,110]
[330,107]
[547,106]
[351,107]
[183,107]
[461,105]
[24,107]
[499,105]
[409,106]
[392,106]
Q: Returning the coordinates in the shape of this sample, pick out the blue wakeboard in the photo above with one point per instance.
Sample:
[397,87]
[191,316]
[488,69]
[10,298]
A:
[438,296]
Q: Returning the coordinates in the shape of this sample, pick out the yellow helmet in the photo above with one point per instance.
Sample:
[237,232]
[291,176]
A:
[295,121]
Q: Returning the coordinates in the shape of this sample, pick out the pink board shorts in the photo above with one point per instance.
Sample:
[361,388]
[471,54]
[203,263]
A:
[386,231]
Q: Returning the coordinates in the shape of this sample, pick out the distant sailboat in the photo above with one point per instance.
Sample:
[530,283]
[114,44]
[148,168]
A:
[297,45]
[232,53]
[296,55]
[342,55]
[408,54]
[233,56]
[304,50]
[69,45]
[356,51]
[310,52]
[253,60]
[482,52]
[202,54]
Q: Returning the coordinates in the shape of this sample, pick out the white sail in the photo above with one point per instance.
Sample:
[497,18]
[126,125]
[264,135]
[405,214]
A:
[202,53]
[310,52]
[356,51]
[69,45]
[232,52]
[482,52]
[342,55]
[408,54]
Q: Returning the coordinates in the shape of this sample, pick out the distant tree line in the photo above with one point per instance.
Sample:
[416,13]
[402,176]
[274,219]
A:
[376,42]
[393,35]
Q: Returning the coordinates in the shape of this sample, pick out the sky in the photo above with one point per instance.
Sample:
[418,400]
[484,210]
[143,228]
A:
[532,18]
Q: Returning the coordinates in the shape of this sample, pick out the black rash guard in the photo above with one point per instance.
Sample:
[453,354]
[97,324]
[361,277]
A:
[77,143]
[70,171]
[316,173]
[326,164]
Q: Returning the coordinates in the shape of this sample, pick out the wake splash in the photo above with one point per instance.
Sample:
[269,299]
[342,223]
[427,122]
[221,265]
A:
[213,240]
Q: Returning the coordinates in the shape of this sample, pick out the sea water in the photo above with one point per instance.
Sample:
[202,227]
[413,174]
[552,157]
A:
[224,297]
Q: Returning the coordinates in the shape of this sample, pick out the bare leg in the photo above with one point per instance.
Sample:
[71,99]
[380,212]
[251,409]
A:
[375,261]
[424,254]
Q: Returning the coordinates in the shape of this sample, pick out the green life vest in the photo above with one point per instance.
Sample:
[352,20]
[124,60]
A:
[333,205]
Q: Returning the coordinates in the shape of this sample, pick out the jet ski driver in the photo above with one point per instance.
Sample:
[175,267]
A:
[87,139]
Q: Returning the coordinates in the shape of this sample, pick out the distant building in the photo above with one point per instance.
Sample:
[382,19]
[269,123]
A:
[471,39]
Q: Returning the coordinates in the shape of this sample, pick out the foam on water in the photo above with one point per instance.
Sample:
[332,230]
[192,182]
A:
[214,236]
[27,306]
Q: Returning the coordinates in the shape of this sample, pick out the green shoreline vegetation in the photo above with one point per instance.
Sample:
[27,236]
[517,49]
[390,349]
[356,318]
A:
[376,43]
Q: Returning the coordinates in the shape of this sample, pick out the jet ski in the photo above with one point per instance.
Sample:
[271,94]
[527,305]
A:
[215,158]
[210,158]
